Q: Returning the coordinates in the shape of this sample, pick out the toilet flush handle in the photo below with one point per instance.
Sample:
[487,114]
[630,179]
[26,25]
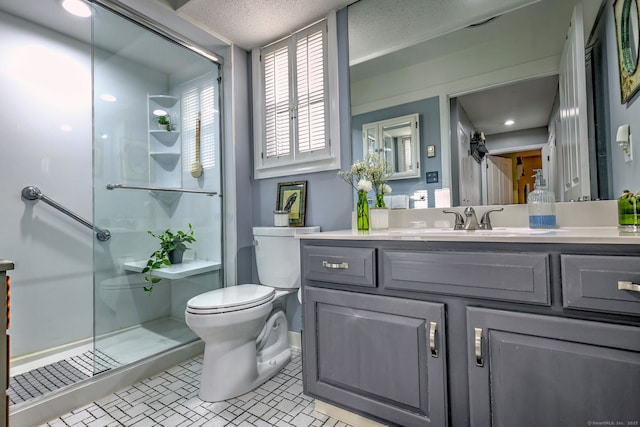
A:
[255,242]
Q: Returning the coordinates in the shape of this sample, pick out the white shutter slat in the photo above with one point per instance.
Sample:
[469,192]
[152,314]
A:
[311,92]
[277,102]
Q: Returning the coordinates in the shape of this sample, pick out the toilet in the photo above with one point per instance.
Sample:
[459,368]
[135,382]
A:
[244,327]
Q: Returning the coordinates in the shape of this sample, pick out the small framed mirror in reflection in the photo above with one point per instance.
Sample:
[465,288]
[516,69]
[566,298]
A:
[396,140]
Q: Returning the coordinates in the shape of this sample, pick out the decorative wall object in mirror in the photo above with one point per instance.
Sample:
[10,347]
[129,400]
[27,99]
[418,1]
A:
[627,33]
[478,147]
[396,141]
[292,197]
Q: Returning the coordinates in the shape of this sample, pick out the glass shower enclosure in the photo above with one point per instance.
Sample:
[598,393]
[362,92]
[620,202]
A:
[118,123]
[157,168]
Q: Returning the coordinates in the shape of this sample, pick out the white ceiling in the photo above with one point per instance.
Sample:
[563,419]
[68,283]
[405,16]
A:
[255,23]
[379,27]
[528,103]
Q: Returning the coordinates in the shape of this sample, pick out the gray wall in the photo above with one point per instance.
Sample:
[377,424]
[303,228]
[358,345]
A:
[429,113]
[329,199]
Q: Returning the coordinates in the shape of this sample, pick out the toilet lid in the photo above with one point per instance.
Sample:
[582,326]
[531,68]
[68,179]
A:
[231,298]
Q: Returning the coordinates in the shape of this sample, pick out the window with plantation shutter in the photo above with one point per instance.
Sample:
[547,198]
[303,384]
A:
[293,113]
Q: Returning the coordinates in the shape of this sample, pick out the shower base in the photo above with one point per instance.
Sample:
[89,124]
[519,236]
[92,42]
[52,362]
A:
[46,379]
[111,351]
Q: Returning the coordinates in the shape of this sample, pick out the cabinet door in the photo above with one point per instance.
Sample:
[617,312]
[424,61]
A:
[376,355]
[530,370]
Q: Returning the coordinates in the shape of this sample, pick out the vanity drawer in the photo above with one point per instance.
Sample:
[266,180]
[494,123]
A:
[520,277]
[349,266]
[591,282]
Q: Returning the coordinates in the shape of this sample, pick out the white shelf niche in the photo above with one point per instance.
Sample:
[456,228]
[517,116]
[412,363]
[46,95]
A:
[165,148]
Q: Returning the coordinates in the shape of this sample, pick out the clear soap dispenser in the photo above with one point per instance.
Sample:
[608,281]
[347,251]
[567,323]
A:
[541,203]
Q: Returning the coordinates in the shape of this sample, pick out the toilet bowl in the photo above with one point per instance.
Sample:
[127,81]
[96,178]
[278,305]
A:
[244,327]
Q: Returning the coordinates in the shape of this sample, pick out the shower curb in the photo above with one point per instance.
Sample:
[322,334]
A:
[69,398]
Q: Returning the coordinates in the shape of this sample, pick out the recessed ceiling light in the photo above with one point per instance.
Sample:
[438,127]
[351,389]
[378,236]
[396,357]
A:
[77,8]
[509,122]
[159,112]
[108,97]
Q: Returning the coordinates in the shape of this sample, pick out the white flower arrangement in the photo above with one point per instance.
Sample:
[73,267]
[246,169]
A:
[372,173]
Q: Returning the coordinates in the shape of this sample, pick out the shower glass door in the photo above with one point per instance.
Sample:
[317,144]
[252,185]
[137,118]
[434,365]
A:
[157,167]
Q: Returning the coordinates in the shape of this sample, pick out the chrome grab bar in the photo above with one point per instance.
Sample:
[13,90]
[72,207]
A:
[142,187]
[34,193]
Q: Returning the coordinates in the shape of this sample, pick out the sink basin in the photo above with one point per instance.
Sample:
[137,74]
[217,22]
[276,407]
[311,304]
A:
[497,231]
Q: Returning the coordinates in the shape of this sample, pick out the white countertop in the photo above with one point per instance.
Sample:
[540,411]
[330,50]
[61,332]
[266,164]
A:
[582,235]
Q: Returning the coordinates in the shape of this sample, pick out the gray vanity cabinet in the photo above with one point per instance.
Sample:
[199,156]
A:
[531,370]
[382,356]
[460,334]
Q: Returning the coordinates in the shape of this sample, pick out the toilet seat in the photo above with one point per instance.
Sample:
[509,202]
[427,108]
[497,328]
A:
[233,298]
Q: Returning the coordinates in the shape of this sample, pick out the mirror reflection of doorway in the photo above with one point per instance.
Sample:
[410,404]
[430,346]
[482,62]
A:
[499,180]
[515,118]
[509,176]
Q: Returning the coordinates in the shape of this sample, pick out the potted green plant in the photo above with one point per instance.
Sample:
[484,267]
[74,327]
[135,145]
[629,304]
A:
[172,247]
[164,122]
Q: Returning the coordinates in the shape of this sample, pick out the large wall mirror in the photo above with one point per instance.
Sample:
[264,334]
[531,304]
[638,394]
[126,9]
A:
[505,68]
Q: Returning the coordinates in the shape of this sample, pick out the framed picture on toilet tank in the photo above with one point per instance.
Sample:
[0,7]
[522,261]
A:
[292,196]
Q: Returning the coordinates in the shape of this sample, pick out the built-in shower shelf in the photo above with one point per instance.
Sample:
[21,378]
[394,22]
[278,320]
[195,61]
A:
[164,136]
[177,271]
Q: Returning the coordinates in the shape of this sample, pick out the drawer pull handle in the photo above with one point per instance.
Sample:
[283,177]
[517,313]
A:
[433,326]
[341,266]
[628,286]
[478,347]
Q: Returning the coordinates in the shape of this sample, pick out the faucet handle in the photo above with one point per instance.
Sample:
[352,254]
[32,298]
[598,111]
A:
[485,221]
[459,224]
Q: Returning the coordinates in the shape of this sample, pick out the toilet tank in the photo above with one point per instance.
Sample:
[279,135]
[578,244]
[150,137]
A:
[278,255]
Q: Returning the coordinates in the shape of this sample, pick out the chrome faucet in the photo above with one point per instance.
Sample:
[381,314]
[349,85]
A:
[471,221]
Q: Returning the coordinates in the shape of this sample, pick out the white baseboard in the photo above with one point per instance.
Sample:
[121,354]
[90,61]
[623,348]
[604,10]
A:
[295,340]
[344,415]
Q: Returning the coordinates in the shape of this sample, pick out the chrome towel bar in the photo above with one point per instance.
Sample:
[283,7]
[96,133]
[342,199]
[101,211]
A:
[34,193]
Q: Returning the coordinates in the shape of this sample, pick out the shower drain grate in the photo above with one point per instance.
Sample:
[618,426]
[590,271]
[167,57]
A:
[46,379]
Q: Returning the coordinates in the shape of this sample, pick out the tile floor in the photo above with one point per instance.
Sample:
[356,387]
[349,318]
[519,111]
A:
[170,399]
